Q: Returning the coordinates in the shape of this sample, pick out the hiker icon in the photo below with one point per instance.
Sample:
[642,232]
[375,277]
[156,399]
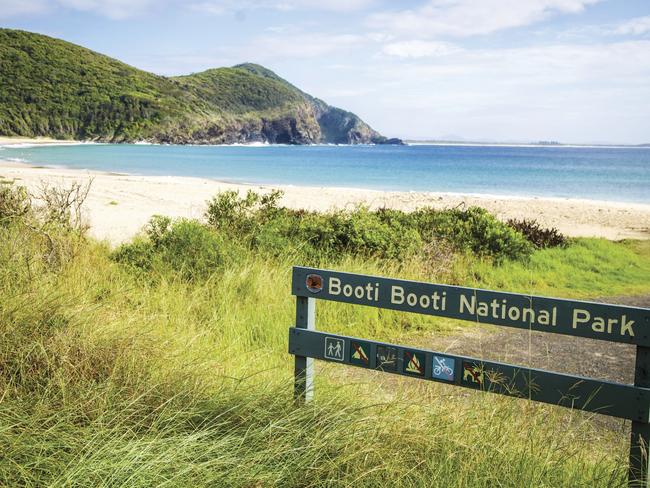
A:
[334,348]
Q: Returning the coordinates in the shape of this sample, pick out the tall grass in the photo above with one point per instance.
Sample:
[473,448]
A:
[589,268]
[115,375]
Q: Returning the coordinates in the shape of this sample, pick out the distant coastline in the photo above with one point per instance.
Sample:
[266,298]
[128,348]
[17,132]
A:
[415,142]
[15,142]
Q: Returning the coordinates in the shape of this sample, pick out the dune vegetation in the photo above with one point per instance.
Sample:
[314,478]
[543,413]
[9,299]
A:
[164,362]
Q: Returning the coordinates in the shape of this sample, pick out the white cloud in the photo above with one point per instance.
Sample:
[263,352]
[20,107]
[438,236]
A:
[287,43]
[419,49]
[122,9]
[462,18]
[562,92]
[380,36]
[637,26]
[333,5]
[299,45]
[342,93]
[113,9]
[549,67]
[10,8]
[211,8]
[218,7]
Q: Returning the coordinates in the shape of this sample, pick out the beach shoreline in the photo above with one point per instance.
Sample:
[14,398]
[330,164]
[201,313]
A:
[47,141]
[38,141]
[119,205]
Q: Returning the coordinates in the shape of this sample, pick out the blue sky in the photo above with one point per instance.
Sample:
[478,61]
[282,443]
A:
[507,70]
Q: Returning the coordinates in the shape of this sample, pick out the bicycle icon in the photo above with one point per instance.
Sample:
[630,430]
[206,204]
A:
[441,369]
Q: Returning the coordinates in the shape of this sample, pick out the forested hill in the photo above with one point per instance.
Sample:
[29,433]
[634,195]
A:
[49,87]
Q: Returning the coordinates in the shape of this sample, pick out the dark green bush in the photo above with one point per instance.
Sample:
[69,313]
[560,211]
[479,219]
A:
[139,254]
[183,247]
[475,230]
[362,232]
[541,237]
[335,234]
[266,226]
[256,222]
[384,233]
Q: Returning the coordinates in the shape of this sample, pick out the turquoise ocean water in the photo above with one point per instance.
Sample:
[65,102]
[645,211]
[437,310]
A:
[600,173]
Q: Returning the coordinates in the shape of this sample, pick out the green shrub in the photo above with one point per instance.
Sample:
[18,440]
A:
[474,230]
[540,237]
[15,203]
[227,211]
[158,229]
[359,232]
[138,254]
[383,233]
[184,247]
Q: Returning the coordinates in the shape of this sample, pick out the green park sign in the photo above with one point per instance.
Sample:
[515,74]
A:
[569,317]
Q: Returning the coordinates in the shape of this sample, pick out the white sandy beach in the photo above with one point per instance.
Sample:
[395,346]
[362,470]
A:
[119,205]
